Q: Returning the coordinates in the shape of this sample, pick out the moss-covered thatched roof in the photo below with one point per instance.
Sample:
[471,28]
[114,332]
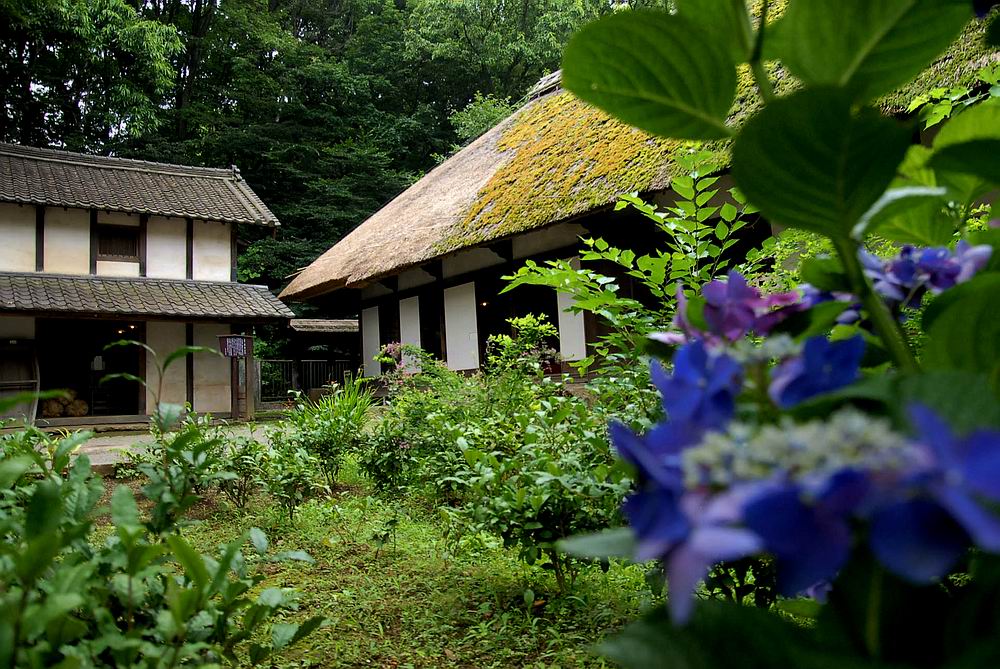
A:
[554,159]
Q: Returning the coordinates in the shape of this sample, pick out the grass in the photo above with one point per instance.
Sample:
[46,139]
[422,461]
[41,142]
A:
[413,602]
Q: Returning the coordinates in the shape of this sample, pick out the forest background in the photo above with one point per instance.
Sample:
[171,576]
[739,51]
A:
[328,107]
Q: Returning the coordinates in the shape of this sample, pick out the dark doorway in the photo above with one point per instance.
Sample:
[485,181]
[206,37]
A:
[72,357]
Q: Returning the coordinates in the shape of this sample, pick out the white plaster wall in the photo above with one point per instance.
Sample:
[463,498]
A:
[212,251]
[67,241]
[212,373]
[469,261]
[460,327]
[374,290]
[17,327]
[370,338]
[409,327]
[117,268]
[572,335]
[164,338]
[17,233]
[414,278]
[166,248]
[547,239]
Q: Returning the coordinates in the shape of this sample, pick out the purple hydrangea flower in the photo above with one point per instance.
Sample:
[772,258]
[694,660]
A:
[823,366]
[903,280]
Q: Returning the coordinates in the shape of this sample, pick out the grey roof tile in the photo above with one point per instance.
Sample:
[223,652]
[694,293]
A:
[49,177]
[56,293]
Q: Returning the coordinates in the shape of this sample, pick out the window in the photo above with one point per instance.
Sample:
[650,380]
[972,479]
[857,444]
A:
[118,242]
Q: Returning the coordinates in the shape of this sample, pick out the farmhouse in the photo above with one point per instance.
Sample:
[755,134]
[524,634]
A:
[427,269]
[99,249]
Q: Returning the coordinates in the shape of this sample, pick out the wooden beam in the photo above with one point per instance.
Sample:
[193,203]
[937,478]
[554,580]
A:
[143,226]
[189,249]
[189,366]
[93,241]
[233,254]
[39,238]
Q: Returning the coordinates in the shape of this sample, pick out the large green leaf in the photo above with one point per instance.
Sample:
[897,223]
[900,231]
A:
[964,399]
[898,203]
[867,46]
[963,330]
[654,71]
[726,20]
[970,143]
[617,542]
[807,161]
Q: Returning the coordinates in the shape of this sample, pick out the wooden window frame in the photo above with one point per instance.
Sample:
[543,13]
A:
[140,243]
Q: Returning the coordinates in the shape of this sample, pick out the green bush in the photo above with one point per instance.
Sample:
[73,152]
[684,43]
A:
[142,596]
[330,427]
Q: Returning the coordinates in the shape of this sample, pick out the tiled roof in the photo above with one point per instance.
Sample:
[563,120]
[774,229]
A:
[63,179]
[56,293]
[327,325]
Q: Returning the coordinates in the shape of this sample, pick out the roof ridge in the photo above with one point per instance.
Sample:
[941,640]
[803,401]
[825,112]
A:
[124,279]
[115,162]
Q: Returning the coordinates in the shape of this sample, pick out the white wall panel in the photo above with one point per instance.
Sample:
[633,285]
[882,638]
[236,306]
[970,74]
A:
[166,248]
[165,337]
[67,241]
[461,327]
[17,233]
[370,341]
[212,373]
[212,251]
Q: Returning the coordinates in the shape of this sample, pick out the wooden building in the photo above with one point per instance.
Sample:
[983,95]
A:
[100,249]
[427,268]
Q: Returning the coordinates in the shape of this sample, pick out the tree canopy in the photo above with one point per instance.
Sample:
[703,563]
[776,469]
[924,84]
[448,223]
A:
[328,107]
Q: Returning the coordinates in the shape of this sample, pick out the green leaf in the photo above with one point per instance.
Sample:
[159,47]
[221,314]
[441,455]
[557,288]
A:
[190,559]
[869,47]
[927,224]
[970,143]
[808,162]
[897,202]
[124,512]
[259,540]
[125,376]
[618,542]
[963,331]
[963,399]
[11,469]
[652,70]
[44,511]
[726,20]
[825,273]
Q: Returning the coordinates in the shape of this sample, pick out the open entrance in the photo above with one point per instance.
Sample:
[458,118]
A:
[72,357]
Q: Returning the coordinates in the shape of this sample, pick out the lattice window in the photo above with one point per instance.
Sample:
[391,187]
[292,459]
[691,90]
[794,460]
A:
[118,242]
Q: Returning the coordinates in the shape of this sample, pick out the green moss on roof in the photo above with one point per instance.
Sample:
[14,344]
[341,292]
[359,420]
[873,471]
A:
[566,158]
[956,67]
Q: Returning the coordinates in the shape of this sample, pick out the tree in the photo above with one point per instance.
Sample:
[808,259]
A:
[82,74]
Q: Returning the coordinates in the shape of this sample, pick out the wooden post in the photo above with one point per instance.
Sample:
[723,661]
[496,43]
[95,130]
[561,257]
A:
[251,379]
[234,387]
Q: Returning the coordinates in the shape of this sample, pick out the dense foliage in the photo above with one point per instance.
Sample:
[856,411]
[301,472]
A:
[329,108]
[844,433]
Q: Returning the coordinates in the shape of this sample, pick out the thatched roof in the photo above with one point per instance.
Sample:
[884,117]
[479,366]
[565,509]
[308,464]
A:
[554,159]
[325,325]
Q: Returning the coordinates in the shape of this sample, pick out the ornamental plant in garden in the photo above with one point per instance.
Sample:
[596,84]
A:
[810,430]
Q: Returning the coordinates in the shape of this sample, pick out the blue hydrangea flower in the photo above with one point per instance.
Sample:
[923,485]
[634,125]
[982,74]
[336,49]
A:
[807,531]
[903,280]
[823,366]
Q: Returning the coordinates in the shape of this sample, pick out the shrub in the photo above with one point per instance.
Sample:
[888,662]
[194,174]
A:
[141,598]
[291,474]
[332,426]
[245,460]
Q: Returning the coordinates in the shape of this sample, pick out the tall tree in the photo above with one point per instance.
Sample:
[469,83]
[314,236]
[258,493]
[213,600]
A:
[83,74]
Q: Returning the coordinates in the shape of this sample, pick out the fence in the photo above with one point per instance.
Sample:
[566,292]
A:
[276,378]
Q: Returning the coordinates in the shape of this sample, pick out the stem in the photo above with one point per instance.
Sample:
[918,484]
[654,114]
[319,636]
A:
[886,326]
[872,627]
[756,63]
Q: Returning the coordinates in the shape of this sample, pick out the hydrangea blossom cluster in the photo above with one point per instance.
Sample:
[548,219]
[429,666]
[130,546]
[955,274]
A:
[904,279]
[712,489]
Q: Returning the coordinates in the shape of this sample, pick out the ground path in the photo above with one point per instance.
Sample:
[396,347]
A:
[106,449]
